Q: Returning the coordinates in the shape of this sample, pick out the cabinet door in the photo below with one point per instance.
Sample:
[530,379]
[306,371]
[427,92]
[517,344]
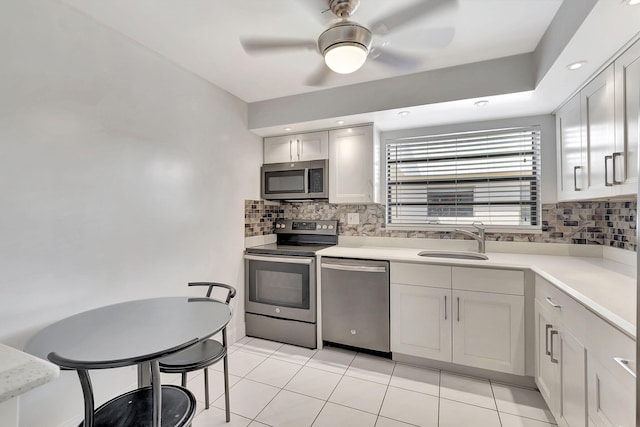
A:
[488,331]
[547,365]
[571,171]
[611,398]
[351,174]
[598,132]
[312,146]
[421,321]
[573,381]
[279,149]
[296,148]
[627,111]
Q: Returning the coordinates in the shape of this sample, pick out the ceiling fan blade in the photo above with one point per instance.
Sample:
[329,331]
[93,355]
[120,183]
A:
[267,45]
[319,77]
[405,16]
[398,61]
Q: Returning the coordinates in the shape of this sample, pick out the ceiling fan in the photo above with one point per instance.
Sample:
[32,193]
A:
[346,45]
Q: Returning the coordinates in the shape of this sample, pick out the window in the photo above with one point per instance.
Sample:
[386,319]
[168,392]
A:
[492,176]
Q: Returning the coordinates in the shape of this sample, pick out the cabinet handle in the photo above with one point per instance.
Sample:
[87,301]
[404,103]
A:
[553,304]
[606,171]
[458,309]
[625,364]
[546,338]
[445,307]
[615,156]
[290,153]
[575,178]
[553,360]
[299,150]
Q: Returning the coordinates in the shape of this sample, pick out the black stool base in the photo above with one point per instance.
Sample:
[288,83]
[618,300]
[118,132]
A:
[134,409]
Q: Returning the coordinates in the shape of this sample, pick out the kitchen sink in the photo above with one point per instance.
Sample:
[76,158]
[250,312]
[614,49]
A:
[454,255]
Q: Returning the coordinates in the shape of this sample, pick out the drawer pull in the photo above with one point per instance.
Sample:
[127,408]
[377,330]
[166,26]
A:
[606,171]
[553,360]
[553,304]
[615,156]
[625,364]
[575,178]
[546,338]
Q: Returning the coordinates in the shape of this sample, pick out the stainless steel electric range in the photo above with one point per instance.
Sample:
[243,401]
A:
[280,278]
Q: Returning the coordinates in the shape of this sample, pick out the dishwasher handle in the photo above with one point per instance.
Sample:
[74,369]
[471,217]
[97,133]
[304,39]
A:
[356,268]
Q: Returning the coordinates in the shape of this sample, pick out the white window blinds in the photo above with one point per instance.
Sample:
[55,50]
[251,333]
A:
[492,176]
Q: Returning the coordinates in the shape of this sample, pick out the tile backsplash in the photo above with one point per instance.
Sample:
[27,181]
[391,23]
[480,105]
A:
[611,223]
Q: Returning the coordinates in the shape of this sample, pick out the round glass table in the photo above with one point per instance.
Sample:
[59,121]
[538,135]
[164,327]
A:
[135,332]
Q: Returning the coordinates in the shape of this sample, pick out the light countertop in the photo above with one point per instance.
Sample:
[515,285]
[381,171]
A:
[21,372]
[603,286]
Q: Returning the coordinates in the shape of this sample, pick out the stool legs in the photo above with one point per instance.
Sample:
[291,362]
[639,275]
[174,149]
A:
[226,388]
[206,388]
[183,383]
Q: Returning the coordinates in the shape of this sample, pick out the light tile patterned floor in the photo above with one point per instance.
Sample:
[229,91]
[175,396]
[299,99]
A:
[286,386]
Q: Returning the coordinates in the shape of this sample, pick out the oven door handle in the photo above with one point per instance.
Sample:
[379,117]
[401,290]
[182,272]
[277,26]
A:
[358,268]
[292,260]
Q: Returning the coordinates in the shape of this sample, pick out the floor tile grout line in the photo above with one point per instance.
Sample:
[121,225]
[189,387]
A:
[495,402]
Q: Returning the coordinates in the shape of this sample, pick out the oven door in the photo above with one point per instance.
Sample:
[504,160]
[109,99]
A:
[280,286]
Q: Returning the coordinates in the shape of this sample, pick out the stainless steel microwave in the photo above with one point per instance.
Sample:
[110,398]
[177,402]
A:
[295,180]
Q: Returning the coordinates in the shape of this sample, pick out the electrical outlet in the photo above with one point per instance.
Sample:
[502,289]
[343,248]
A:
[353,218]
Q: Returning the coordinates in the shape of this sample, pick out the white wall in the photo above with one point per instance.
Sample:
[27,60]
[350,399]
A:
[122,176]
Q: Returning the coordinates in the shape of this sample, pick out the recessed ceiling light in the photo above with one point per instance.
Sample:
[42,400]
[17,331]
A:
[287,129]
[576,65]
[633,2]
[481,103]
[404,113]
[340,122]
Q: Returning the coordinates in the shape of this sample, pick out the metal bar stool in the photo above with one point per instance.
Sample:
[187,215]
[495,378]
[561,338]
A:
[203,354]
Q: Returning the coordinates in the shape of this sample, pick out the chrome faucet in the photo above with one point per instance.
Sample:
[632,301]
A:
[479,237]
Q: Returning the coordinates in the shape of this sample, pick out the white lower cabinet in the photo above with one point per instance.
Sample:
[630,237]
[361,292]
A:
[611,371]
[430,318]
[584,367]
[421,321]
[560,357]
[488,331]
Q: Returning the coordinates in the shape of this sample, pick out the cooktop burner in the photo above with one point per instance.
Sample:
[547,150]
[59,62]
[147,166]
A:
[300,238]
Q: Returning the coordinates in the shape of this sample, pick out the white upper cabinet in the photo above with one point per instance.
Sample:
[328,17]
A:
[352,176]
[627,106]
[572,167]
[598,133]
[296,148]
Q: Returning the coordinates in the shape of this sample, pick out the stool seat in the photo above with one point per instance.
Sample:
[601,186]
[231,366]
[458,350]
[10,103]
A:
[198,356]
[134,409]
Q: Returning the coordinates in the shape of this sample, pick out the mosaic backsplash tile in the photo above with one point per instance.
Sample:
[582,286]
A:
[611,223]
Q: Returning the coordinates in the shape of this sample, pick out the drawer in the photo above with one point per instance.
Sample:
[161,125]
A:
[606,343]
[488,280]
[435,276]
[564,309]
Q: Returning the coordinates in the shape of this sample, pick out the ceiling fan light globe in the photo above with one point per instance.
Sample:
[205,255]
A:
[345,58]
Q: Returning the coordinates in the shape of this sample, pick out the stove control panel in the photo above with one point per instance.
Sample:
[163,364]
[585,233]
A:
[296,226]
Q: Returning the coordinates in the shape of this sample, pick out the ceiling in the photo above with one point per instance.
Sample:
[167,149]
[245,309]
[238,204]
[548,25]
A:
[203,36]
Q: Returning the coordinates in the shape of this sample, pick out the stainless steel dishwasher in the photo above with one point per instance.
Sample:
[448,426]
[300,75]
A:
[355,303]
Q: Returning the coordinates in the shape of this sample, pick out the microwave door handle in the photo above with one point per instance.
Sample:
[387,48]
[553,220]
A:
[306,180]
